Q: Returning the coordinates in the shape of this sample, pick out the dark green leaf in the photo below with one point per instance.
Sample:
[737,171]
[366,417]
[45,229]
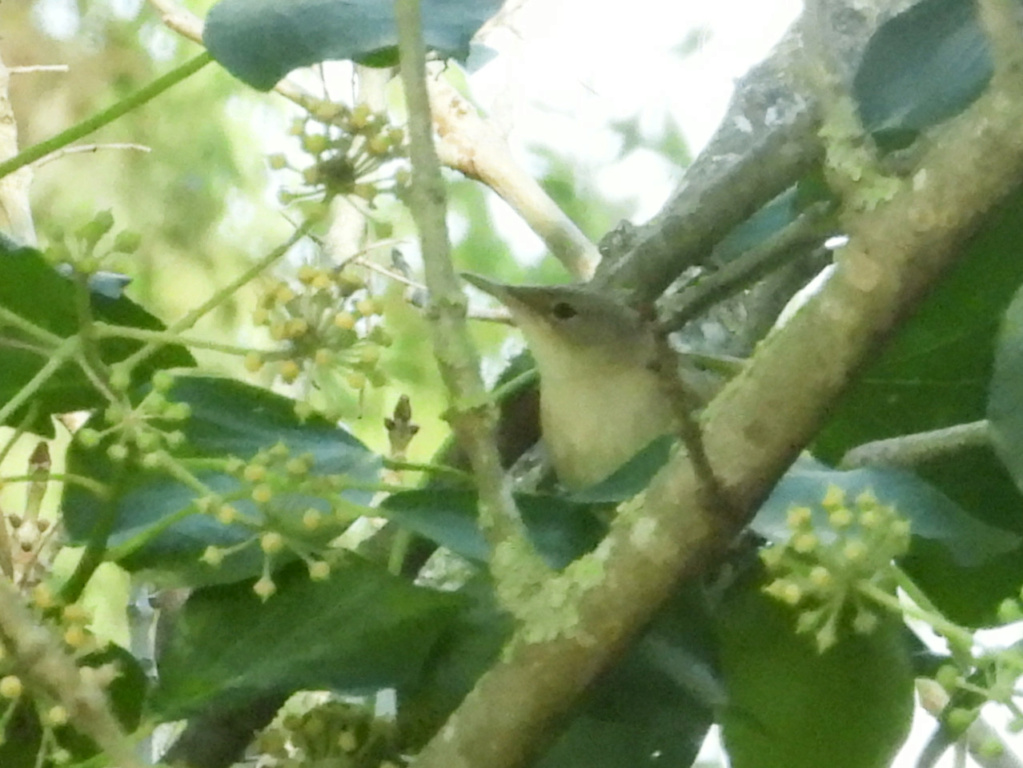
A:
[931,513]
[630,478]
[791,707]
[658,700]
[1005,406]
[921,67]
[260,41]
[468,646]
[934,373]
[761,226]
[228,418]
[22,737]
[560,530]
[31,289]
[360,630]
[655,706]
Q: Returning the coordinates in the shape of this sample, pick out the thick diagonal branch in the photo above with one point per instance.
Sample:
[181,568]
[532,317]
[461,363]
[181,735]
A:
[753,431]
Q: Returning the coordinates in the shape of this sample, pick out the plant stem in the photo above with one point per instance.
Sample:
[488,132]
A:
[106,330]
[108,115]
[472,414]
[220,296]
[958,637]
[60,356]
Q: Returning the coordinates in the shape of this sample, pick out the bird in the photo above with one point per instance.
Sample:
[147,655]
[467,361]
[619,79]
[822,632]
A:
[602,397]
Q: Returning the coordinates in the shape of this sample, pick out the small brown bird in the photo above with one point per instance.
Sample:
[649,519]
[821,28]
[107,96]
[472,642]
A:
[601,399]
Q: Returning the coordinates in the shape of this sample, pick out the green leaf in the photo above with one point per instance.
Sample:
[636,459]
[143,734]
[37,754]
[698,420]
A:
[658,699]
[360,630]
[470,643]
[228,418]
[791,707]
[655,706]
[560,530]
[761,226]
[932,515]
[260,41]
[31,289]
[921,67]
[630,478]
[934,373]
[1005,406]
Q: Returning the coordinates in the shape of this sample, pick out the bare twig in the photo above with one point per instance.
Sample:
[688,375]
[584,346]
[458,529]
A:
[34,68]
[83,148]
[766,143]
[15,211]
[472,417]
[471,144]
[918,448]
[190,26]
[805,232]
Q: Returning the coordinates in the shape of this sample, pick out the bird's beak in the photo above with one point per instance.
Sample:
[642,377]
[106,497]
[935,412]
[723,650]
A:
[499,291]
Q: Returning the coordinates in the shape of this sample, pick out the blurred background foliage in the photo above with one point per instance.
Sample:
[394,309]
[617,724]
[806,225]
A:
[205,201]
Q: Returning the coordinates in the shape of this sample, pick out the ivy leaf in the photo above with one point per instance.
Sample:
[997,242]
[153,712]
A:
[36,293]
[560,530]
[228,418]
[792,707]
[921,67]
[1005,404]
[260,41]
[360,630]
[630,478]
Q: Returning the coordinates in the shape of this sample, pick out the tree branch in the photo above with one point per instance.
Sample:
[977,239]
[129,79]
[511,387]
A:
[753,431]
[470,144]
[920,447]
[766,143]
[472,415]
[39,658]
[804,233]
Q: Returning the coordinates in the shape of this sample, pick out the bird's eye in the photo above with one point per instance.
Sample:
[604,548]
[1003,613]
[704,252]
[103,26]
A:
[563,311]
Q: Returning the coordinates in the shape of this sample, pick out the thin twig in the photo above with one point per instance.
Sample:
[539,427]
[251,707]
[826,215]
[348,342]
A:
[806,231]
[38,657]
[218,298]
[918,448]
[33,68]
[97,121]
[470,144]
[81,148]
[472,413]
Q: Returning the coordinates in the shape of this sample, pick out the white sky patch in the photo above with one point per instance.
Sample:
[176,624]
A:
[567,69]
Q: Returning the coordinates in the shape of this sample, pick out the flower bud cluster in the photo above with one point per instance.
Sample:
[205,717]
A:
[272,483]
[143,427]
[829,559]
[352,151]
[85,250]
[332,733]
[328,326]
